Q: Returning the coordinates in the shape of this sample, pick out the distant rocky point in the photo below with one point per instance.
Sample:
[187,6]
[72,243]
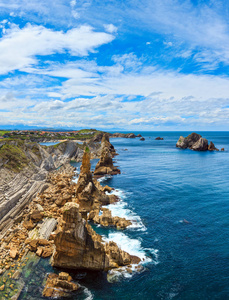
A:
[124,135]
[195,142]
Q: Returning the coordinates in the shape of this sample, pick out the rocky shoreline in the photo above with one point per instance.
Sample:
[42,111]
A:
[53,220]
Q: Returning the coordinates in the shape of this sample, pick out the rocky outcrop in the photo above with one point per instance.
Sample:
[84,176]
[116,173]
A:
[79,247]
[105,165]
[211,147]
[159,138]
[24,172]
[59,285]
[195,142]
[106,219]
[142,139]
[90,195]
[124,135]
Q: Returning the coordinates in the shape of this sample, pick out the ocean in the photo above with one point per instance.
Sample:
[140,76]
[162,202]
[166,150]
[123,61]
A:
[178,201]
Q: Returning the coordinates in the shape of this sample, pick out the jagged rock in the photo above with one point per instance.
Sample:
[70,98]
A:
[79,247]
[13,252]
[211,147]
[89,192]
[36,216]
[142,139]
[59,285]
[29,224]
[105,165]
[200,145]
[139,135]
[106,219]
[193,141]
[159,138]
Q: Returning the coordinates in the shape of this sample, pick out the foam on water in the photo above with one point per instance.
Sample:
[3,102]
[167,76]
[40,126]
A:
[104,178]
[120,209]
[133,247]
[88,294]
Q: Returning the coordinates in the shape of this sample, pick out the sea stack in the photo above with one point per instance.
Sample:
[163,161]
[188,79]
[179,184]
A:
[105,165]
[195,142]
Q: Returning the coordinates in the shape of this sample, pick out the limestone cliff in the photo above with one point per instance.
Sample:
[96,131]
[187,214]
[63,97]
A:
[79,247]
[24,169]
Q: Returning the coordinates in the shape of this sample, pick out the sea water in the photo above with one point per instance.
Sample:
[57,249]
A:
[178,201]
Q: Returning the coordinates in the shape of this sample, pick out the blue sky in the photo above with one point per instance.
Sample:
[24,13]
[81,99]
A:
[130,65]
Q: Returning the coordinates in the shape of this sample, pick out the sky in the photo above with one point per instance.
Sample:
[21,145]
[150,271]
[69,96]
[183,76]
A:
[117,64]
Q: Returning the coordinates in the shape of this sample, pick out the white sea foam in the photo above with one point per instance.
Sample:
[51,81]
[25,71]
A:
[88,294]
[120,209]
[104,178]
[133,247]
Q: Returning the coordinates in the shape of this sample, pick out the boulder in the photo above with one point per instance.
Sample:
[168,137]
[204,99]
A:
[142,139]
[222,149]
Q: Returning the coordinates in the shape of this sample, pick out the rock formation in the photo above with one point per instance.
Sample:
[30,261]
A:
[106,219]
[142,139]
[59,285]
[211,147]
[105,165]
[88,192]
[79,247]
[124,135]
[195,142]
[159,138]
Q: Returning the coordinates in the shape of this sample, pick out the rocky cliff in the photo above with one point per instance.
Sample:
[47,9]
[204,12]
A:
[79,247]
[24,169]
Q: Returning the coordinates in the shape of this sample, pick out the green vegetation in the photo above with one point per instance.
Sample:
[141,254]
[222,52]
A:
[87,149]
[13,157]
[3,132]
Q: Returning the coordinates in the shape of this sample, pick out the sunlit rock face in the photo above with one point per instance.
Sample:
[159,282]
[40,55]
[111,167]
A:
[105,165]
[79,247]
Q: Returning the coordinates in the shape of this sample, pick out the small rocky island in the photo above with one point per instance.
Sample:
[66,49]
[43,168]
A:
[195,142]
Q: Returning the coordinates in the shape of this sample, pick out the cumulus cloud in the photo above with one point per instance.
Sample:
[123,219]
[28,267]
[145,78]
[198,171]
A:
[19,47]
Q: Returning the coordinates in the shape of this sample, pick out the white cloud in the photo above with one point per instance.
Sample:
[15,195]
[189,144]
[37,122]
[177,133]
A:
[19,47]
[110,28]
[73,3]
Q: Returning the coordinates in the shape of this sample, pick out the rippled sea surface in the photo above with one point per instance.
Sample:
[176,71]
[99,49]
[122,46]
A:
[179,202]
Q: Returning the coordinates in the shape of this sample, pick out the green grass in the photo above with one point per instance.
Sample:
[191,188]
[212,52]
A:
[3,132]
[13,157]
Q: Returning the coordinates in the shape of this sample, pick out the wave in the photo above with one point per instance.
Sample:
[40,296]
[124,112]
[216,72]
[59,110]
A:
[133,247]
[120,209]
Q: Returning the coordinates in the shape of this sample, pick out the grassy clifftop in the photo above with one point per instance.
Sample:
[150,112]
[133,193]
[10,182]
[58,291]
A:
[13,157]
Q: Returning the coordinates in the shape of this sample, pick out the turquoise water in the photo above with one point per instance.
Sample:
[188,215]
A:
[161,186]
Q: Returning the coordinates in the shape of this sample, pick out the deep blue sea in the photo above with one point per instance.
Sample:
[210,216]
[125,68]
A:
[179,202]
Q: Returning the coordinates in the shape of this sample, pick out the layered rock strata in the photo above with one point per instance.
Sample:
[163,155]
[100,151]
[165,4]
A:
[79,247]
[59,285]
[24,172]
